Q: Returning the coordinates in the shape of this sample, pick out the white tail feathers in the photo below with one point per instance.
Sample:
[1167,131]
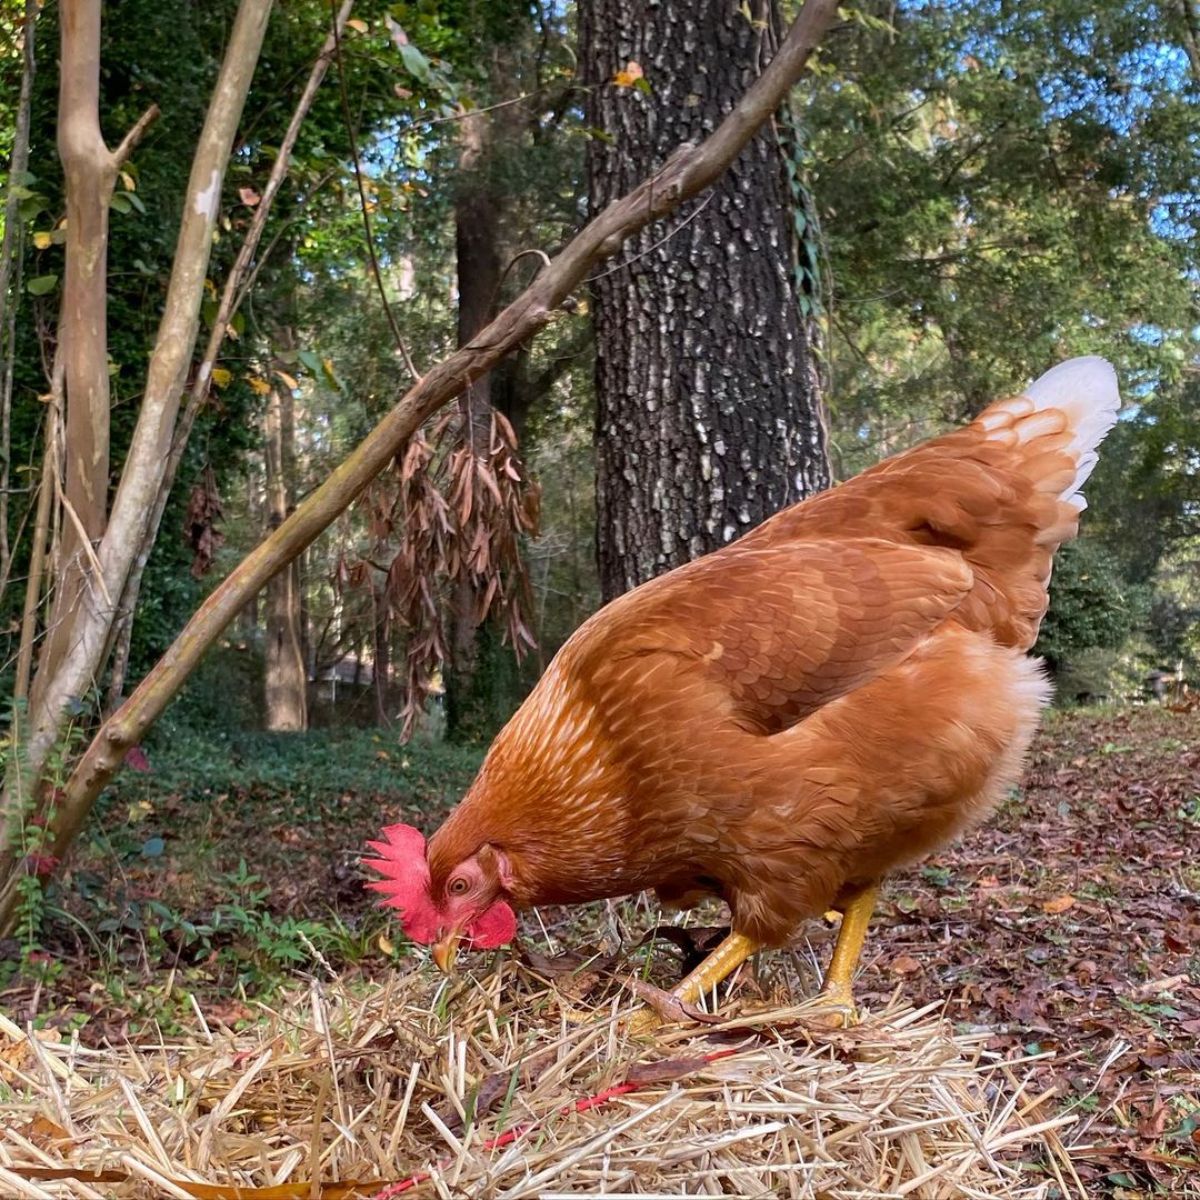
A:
[1068,410]
[1085,391]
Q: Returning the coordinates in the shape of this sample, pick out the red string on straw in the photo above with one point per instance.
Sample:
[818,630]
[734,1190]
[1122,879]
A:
[586,1104]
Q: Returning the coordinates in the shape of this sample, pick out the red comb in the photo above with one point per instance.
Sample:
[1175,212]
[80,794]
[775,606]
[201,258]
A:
[405,884]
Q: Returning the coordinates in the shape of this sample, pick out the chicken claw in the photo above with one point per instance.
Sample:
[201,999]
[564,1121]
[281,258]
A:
[718,966]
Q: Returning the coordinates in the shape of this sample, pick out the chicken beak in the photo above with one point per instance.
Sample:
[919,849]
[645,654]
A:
[445,951]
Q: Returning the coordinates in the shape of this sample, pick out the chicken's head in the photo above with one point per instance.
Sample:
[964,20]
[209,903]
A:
[466,906]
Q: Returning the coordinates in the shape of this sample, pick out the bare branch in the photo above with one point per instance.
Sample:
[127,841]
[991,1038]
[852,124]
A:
[41,537]
[130,141]
[237,284]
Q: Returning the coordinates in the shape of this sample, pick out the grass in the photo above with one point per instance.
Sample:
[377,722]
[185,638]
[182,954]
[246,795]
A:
[222,869]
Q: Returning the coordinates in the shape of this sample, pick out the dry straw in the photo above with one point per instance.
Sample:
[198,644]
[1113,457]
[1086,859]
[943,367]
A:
[483,1088]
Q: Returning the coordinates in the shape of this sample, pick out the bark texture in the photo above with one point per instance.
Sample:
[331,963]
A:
[285,678]
[708,406]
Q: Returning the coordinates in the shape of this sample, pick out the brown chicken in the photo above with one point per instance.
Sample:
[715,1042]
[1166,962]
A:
[784,721]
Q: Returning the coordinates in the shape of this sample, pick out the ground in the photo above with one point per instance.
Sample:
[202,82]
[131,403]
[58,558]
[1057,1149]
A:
[1069,925]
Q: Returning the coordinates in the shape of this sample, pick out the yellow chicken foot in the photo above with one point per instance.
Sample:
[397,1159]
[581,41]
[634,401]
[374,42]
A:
[837,996]
[718,966]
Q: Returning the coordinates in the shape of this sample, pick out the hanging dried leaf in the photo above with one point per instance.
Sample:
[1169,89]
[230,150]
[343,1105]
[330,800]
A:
[199,530]
[447,514]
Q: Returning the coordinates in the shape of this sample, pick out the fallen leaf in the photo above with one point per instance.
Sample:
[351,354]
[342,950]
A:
[1155,986]
[1059,904]
[666,1069]
[905,965]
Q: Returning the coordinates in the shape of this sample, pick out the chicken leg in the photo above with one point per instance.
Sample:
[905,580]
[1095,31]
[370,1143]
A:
[836,995]
[837,991]
[716,968]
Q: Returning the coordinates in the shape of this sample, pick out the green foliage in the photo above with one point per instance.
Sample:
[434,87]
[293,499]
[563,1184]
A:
[1091,606]
[306,771]
[232,864]
[1002,186]
[30,824]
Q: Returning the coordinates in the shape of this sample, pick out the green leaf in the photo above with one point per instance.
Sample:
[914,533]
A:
[311,361]
[416,63]
[120,202]
[330,375]
[153,847]
[42,285]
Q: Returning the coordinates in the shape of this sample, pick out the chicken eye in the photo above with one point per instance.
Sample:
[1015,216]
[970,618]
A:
[459,886]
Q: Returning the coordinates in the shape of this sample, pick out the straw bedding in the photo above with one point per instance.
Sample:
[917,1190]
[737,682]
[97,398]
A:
[484,1087]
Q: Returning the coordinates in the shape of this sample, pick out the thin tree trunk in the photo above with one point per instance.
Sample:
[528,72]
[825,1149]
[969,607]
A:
[11,256]
[476,236]
[284,675]
[1190,14]
[688,172]
[708,415]
[84,627]
[41,539]
[90,171]
[381,658]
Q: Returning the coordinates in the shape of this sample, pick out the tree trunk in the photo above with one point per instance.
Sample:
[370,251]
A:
[41,538]
[90,171]
[708,410]
[11,257]
[381,653]
[686,174]
[476,236]
[284,675]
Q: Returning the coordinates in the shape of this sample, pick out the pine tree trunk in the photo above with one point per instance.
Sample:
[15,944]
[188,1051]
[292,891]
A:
[284,675]
[708,407]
